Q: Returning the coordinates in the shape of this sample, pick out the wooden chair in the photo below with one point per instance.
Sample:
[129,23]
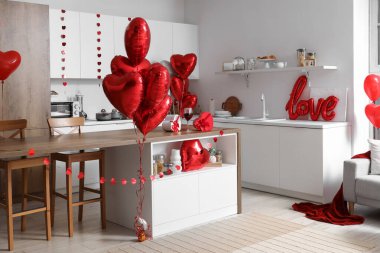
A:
[69,158]
[23,163]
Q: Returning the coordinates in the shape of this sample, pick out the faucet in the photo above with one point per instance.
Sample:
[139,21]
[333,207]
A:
[264,107]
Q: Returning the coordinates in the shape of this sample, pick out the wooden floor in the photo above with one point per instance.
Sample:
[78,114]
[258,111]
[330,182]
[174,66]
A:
[88,236]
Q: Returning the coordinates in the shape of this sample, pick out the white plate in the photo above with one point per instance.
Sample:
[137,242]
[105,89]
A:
[222,112]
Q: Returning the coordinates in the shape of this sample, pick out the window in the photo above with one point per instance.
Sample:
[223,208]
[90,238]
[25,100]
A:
[374,36]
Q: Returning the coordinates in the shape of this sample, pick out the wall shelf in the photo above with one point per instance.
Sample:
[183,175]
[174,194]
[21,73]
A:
[306,70]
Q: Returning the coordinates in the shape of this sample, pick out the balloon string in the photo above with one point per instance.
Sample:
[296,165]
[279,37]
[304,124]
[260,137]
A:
[2,99]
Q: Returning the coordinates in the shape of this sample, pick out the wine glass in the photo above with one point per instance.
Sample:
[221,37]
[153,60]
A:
[188,114]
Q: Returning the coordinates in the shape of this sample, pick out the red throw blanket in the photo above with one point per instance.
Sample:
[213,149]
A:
[335,212]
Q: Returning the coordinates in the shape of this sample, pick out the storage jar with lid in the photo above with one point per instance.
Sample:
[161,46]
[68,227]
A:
[160,160]
[301,57]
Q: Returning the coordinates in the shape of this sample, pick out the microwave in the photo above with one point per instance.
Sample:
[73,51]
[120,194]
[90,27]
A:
[65,109]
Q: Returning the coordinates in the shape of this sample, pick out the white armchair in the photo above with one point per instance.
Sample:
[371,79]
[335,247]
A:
[358,185]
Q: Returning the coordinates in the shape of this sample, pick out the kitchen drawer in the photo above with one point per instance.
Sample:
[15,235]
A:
[218,188]
[175,198]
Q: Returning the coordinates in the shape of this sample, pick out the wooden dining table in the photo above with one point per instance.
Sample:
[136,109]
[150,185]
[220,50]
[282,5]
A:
[43,145]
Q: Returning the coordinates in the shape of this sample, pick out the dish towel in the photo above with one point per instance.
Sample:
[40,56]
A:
[335,212]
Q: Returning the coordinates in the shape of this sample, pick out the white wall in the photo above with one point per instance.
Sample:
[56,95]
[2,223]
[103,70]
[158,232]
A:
[165,10]
[251,28]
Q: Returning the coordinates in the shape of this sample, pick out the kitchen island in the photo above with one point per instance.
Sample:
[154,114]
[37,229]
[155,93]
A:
[171,203]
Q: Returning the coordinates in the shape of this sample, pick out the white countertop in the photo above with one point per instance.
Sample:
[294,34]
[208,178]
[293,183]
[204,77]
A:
[284,123]
[93,122]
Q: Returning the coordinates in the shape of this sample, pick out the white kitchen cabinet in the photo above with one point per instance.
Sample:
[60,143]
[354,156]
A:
[301,162]
[96,55]
[185,41]
[182,191]
[69,27]
[161,42]
[120,25]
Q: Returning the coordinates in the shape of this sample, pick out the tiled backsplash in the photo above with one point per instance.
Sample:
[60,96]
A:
[94,98]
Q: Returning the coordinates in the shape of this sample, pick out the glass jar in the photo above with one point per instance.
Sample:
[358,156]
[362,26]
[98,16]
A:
[301,57]
[160,160]
[219,156]
[310,59]
[168,168]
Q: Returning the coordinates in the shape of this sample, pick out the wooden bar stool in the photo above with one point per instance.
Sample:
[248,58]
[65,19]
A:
[70,157]
[23,163]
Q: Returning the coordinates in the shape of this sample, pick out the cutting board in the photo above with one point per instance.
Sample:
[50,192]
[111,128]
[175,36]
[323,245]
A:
[233,105]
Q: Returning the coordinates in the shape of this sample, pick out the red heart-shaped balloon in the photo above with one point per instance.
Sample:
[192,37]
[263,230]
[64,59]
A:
[204,122]
[157,85]
[9,62]
[183,65]
[372,86]
[137,40]
[193,155]
[147,119]
[373,114]
[189,101]
[177,87]
[121,65]
[124,92]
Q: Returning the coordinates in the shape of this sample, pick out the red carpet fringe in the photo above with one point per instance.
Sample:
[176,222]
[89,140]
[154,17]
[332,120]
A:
[335,212]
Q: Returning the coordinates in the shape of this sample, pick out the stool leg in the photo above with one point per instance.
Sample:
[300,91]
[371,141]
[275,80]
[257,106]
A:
[69,193]
[81,191]
[47,202]
[52,193]
[102,193]
[9,209]
[24,204]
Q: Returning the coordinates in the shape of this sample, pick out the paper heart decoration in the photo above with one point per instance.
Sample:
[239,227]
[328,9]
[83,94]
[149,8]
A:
[148,119]
[189,101]
[373,114]
[193,155]
[372,86]
[183,65]
[204,122]
[9,62]
[137,40]
[157,85]
[121,65]
[124,92]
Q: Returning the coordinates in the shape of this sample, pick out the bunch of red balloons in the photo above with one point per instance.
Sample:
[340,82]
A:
[183,65]
[372,89]
[137,88]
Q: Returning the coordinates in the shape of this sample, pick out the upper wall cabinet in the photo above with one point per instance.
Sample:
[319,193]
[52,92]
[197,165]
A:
[97,44]
[64,58]
[120,24]
[161,41]
[185,41]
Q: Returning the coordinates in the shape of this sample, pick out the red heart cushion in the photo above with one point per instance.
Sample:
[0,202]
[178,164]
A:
[124,92]
[193,155]
[373,114]
[183,65]
[9,62]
